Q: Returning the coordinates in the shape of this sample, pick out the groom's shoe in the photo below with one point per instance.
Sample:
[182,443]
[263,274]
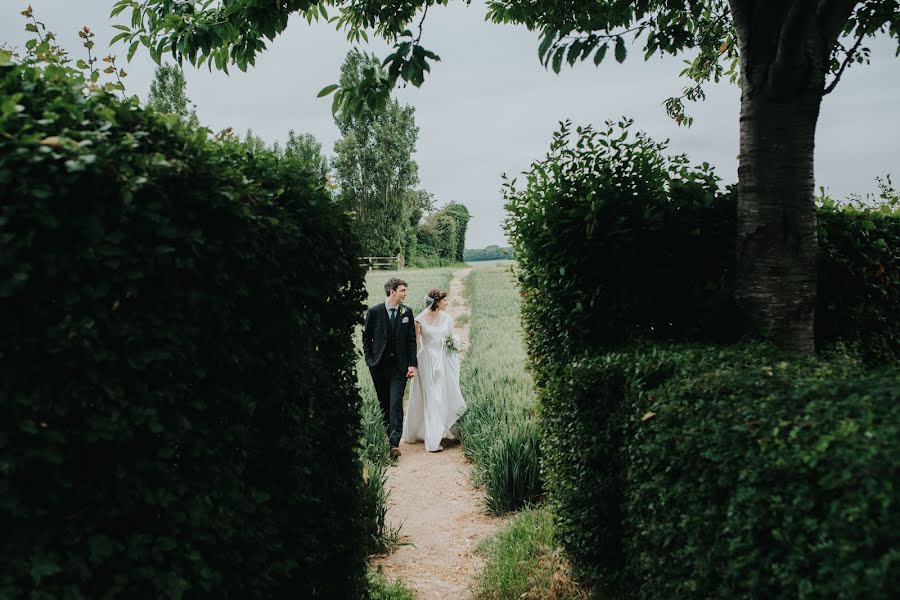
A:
[394,454]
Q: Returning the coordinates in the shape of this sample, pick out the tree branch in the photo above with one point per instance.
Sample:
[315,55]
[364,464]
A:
[422,22]
[847,59]
[794,35]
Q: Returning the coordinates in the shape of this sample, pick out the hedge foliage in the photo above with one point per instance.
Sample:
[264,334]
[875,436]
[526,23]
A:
[630,243]
[859,277]
[681,471]
[738,472]
[180,406]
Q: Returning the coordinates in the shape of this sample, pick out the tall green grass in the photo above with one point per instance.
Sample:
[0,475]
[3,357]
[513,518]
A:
[374,443]
[382,589]
[499,430]
[523,561]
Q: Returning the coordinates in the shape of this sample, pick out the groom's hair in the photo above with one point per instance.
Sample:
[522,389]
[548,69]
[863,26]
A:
[392,284]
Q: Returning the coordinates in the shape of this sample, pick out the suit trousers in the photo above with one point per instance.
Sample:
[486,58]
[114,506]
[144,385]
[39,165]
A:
[390,384]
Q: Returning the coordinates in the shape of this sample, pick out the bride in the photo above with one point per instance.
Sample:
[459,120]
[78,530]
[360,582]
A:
[435,400]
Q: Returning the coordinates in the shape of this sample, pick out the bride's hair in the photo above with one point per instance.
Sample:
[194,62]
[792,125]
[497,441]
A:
[435,295]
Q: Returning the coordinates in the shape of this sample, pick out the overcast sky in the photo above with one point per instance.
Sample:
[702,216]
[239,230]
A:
[490,108]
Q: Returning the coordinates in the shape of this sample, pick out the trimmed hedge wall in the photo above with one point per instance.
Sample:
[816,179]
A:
[630,243]
[859,280]
[180,406]
[681,472]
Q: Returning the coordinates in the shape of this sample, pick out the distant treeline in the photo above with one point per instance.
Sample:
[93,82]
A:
[489,253]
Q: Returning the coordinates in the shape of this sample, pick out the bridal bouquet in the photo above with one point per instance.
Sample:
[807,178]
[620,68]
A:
[452,342]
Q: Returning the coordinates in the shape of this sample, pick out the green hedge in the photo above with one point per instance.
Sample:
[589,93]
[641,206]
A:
[739,472]
[859,279]
[180,407]
[629,243]
[754,474]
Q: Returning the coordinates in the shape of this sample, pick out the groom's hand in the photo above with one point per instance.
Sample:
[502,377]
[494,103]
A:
[410,372]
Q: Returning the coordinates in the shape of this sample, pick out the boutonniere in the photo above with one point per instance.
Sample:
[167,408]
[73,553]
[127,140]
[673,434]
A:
[402,310]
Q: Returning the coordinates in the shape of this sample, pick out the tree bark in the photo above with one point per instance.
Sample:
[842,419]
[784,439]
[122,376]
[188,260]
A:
[777,243]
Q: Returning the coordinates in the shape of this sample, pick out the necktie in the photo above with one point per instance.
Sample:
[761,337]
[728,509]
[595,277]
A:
[393,315]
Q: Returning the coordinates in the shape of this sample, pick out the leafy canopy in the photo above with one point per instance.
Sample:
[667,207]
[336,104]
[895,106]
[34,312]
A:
[220,33]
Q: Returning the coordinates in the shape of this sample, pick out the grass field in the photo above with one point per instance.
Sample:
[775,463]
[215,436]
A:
[499,430]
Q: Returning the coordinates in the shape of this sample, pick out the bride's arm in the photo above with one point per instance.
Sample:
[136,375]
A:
[418,335]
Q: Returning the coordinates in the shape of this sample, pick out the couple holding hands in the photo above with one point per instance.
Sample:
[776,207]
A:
[399,346]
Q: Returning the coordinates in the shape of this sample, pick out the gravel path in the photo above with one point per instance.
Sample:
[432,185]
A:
[440,512]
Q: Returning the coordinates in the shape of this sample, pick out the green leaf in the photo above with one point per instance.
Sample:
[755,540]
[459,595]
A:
[5,57]
[601,54]
[549,36]
[558,58]
[574,51]
[621,51]
[328,89]
[118,8]
[43,566]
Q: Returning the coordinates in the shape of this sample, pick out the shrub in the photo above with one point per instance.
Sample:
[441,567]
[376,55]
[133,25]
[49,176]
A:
[616,240]
[181,412]
[859,276]
[619,242]
[725,472]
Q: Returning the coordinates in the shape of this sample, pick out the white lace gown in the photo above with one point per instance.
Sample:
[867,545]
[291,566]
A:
[435,400]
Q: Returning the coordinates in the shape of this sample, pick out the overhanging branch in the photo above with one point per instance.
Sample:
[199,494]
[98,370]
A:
[847,60]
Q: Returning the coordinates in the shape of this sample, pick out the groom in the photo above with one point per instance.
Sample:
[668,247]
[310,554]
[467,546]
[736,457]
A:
[389,346]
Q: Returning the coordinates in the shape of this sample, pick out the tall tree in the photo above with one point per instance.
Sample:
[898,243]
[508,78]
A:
[168,93]
[790,54]
[374,166]
[308,150]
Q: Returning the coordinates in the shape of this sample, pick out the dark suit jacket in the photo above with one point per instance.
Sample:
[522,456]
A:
[375,335]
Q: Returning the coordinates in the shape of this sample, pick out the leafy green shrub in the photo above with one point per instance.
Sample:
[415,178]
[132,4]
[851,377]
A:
[180,406]
[725,472]
[859,276]
[618,241]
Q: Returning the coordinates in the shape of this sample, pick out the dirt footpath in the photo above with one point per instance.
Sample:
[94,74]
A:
[440,512]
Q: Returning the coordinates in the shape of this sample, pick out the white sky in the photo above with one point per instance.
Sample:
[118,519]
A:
[490,108]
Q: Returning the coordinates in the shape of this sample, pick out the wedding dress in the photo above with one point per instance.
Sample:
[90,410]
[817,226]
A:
[435,400]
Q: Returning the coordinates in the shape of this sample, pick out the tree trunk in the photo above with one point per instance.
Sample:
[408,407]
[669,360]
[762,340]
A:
[777,244]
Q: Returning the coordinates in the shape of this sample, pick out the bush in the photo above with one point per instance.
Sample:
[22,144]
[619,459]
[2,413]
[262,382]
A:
[181,412]
[859,276]
[616,241]
[725,472]
[623,242]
